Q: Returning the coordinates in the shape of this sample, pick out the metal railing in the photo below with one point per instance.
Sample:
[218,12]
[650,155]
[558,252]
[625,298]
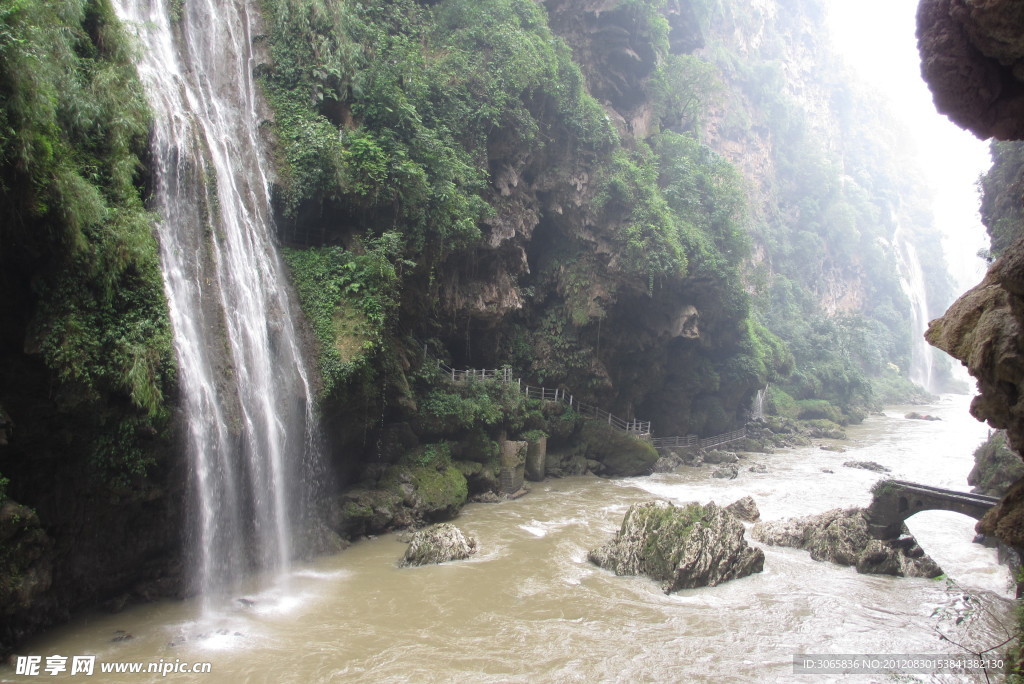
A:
[641,429]
[695,441]
[636,428]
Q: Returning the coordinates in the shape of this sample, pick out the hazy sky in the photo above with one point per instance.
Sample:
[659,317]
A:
[877,39]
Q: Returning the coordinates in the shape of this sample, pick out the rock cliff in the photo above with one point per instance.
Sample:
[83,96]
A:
[971,55]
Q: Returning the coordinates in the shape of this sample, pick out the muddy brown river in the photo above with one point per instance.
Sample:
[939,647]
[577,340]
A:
[529,607]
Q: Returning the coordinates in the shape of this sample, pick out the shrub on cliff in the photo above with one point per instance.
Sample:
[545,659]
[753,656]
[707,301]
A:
[996,467]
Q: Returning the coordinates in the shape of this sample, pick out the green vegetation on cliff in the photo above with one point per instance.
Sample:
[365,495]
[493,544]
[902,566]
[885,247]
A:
[996,467]
[85,323]
[464,131]
[87,366]
[833,199]
[1002,196]
[388,108]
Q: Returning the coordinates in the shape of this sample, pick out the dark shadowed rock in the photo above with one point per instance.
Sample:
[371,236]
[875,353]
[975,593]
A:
[680,546]
[841,536]
[972,54]
[758,468]
[438,544]
[914,415]
[867,465]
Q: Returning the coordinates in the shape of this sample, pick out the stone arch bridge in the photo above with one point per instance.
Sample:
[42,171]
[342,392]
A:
[896,500]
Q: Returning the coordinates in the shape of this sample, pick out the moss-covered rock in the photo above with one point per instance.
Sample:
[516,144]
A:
[683,547]
[439,543]
[841,536]
[25,558]
[480,477]
[996,467]
[619,454]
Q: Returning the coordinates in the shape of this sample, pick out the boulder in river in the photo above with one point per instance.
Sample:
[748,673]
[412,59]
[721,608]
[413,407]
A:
[867,465]
[726,472]
[668,462]
[841,536]
[914,415]
[438,544]
[716,456]
[745,509]
[682,547]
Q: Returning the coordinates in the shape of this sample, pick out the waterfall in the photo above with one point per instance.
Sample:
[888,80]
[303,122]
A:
[245,391]
[912,281]
[757,406]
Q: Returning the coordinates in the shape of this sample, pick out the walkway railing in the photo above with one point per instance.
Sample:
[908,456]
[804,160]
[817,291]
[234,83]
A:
[695,441]
[641,429]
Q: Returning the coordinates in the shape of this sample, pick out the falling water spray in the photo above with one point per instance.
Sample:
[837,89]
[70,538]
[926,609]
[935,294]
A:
[245,390]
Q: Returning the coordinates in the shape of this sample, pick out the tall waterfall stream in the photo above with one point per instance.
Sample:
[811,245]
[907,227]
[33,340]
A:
[245,391]
[529,607]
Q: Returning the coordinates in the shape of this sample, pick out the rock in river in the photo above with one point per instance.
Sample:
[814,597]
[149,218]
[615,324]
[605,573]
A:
[682,547]
[745,509]
[438,544]
[841,536]
[867,465]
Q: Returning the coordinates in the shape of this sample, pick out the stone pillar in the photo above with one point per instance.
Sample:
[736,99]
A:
[536,459]
[513,466]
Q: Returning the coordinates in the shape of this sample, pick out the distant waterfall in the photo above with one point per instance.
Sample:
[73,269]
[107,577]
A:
[912,280]
[757,405]
[252,437]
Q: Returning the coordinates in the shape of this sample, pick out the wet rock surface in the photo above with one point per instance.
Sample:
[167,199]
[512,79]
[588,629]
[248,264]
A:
[841,536]
[682,547]
[439,543]
[745,509]
[867,465]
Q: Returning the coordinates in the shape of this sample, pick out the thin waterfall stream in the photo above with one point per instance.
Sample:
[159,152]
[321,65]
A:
[246,393]
[912,280]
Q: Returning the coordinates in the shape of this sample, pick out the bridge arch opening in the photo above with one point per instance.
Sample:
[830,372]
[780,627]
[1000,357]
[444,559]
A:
[903,504]
[948,537]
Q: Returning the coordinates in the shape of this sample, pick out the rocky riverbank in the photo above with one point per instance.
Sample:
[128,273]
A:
[841,536]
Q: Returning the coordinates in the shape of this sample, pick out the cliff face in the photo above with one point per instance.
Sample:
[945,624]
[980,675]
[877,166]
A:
[606,248]
[834,196]
[90,488]
[971,56]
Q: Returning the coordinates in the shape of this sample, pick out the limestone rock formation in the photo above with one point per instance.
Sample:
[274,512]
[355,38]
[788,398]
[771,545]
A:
[726,472]
[996,468]
[668,462]
[972,56]
[973,60]
[438,544]
[841,536]
[680,546]
[745,509]
[983,330]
